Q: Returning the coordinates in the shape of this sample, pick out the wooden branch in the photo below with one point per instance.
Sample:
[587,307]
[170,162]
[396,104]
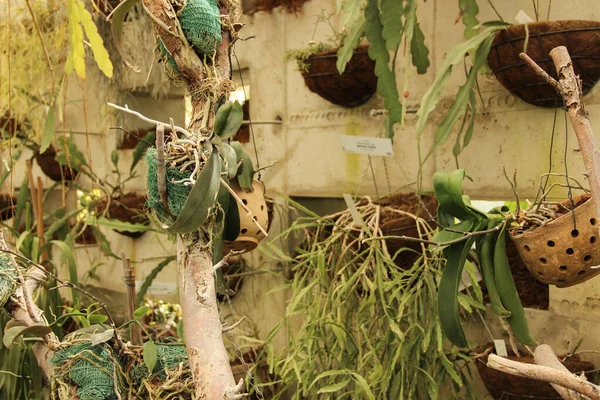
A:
[544,355]
[553,82]
[23,309]
[129,277]
[569,88]
[543,373]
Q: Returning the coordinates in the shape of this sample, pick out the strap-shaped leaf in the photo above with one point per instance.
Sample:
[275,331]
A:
[231,227]
[13,333]
[201,199]
[246,172]
[221,116]
[448,191]
[118,18]
[67,255]
[48,130]
[230,157]
[235,117]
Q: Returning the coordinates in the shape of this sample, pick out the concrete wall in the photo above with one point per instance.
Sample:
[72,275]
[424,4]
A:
[311,162]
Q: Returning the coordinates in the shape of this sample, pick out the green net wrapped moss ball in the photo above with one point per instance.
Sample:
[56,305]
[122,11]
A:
[8,279]
[176,193]
[201,25]
[90,368]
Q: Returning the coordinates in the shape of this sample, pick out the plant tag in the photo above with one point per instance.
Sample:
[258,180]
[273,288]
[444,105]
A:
[164,288]
[500,346]
[367,145]
[356,217]
[523,18]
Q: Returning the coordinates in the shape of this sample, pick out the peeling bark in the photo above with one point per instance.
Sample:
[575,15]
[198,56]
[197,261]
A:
[209,361]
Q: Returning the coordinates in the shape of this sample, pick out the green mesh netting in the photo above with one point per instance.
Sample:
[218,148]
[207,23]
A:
[176,193]
[90,368]
[168,357]
[201,24]
[8,279]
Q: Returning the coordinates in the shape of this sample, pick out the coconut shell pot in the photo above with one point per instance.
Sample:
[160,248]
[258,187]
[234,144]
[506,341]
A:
[127,208]
[354,87]
[581,38]
[250,234]
[52,168]
[503,386]
[564,251]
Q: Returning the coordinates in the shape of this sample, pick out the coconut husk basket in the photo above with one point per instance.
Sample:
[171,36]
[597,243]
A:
[52,168]
[354,87]
[503,386]
[7,206]
[581,38]
[564,251]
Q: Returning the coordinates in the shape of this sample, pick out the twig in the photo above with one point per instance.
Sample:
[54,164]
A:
[130,133]
[224,260]
[241,203]
[71,286]
[544,373]
[233,326]
[555,84]
[152,121]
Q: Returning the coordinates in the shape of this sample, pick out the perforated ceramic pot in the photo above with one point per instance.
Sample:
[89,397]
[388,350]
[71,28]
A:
[250,233]
[564,251]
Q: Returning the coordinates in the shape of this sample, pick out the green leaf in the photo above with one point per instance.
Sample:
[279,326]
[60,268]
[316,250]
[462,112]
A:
[95,40]
[230,157]
[76,56]
[419,51]
[469,10]
[21,203]
[100,336]
[336,387]
[221,117]
[354,33]
[114,158]
[150,278]
[231,226]
[117,225]
[48,130]
[459,105]
[141,147]
[454,57]
[117,17]
[180,330]
[140,312]
[386,83]
[66,251]
[246,175]
[69,155]
[471,127]
[103,242]
[97,318]
[201,199]
[390,14]
[233,123]
[150,355]
[448,191]
[15,332]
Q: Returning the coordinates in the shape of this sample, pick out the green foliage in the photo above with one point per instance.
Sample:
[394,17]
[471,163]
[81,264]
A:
[469,10]
[386,84]
[358,324]
[150,278]
[460,224]
[302,54]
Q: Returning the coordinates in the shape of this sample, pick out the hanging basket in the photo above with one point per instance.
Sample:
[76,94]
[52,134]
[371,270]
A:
[127,208]
[250,234]
[354,87]
[503,386]
[582,40]
[52,168]
[564,251]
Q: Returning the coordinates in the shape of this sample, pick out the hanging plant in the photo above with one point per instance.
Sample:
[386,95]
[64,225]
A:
[352,295]
[581,38]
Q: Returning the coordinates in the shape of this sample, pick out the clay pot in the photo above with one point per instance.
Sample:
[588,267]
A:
[352,88]
[502,386]
[563,251]
[127,208]
[582,40]
[7,206]
[250,234]
[52,168]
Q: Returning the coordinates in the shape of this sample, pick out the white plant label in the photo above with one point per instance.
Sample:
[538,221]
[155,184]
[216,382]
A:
[500,346]
[164,288]
[367,145]
[523,18]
